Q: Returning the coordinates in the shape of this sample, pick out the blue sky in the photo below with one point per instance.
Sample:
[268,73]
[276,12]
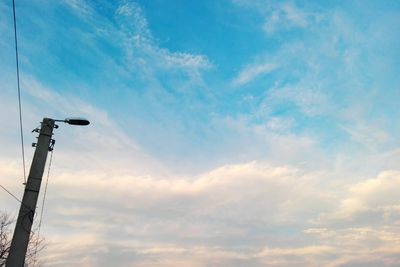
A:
[224,133]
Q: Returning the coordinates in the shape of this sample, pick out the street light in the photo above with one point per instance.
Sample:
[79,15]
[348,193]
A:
[75,121]
[45,143]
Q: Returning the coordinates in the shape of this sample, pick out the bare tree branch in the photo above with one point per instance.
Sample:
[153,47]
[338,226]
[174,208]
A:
[36,243]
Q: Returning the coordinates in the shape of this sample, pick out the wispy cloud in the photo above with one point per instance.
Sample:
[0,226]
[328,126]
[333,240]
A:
[252,72]
[80,7]
[287,16]
[140,45]
[369,136]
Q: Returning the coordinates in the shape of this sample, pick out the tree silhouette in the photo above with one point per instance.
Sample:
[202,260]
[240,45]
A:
[36,243]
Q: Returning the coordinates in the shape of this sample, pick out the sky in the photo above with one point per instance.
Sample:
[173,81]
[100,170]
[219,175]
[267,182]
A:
[223,133]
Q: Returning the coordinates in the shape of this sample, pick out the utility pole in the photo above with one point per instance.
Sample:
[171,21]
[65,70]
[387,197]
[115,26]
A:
[19,243]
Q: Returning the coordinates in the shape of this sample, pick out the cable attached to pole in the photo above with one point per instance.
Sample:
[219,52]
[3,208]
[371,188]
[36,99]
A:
[19,92]
[11,194]
[42,209]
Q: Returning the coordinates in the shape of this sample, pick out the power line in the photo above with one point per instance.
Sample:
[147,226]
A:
[42,208]
[45,192]
[30,213]
[16,198]
[19,92]
[11,194]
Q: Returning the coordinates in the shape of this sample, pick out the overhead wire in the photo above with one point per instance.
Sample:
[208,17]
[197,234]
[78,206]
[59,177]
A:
[19,91]
[11,194]
[45,192]
[16,198]
[30,212]
[42,208]
[22,140]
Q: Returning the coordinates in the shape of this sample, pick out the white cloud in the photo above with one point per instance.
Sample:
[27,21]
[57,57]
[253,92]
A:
[253,71]
[165,219]
[369,136]
[377,196]
[80,7]
[309,98]
[223,204]
[360,246]
[287,16]
[141,48]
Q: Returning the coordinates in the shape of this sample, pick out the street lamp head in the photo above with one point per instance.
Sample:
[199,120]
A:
[77,121]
